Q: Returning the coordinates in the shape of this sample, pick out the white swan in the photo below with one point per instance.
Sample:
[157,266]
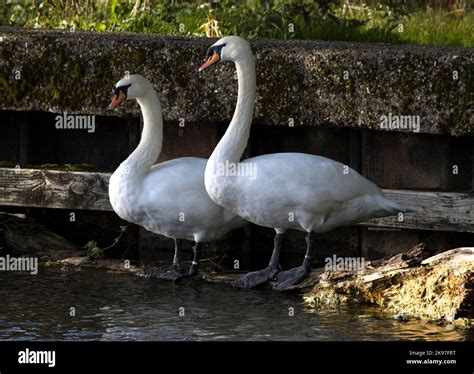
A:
[168,198]
[285,190]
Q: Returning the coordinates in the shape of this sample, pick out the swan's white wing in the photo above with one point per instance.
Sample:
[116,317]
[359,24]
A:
[301,191]
[174,202]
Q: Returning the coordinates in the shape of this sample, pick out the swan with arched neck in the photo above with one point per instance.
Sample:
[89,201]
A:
[168,198]
[290,190]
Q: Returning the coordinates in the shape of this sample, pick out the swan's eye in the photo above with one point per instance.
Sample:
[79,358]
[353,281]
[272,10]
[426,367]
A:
[123,89]
[218,49]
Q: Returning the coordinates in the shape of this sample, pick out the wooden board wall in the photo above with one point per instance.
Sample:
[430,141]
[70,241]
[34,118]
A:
[418,162]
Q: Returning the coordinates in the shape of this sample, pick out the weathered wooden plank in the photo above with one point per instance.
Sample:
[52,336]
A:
[446,211]
[54,189]
[443,211]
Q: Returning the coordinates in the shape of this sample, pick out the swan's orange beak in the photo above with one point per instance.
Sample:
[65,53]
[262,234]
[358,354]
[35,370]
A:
[116,100]
[210,61]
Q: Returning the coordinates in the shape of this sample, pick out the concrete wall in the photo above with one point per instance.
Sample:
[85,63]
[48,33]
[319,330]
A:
[332,83]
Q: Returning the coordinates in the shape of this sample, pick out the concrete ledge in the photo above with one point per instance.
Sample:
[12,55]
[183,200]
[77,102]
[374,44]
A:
[75,71]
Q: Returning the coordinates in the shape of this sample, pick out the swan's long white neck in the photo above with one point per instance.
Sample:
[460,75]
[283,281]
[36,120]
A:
[138,164]
[233,143]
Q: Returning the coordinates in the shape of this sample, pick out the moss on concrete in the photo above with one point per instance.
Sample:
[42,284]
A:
[75,71]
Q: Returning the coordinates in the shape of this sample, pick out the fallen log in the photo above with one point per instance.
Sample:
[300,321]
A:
[413,284]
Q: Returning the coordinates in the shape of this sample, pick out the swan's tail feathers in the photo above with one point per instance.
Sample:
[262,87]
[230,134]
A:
[393,207]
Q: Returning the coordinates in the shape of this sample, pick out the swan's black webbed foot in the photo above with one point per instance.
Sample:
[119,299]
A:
[191,274]
[291,277]
[173,271]
[169,273]
[255,278]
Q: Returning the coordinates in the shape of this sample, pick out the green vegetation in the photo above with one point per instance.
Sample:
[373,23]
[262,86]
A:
[94,251]
[447,22]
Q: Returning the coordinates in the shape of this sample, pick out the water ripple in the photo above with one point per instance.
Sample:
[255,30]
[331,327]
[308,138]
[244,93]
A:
[123,307]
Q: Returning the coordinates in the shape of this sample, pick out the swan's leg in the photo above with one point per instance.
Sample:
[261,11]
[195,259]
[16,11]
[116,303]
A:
[294,276]
[173,271]
[193,270]
[255,278]
[177,267]
[177,264]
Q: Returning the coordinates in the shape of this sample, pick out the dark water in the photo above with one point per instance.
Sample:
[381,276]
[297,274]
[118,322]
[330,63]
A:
[126,307]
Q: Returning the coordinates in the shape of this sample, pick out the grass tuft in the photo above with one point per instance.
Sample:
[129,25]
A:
[360,21]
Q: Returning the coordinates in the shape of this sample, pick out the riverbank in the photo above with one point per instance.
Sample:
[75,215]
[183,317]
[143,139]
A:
[407,286]
[85,305]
